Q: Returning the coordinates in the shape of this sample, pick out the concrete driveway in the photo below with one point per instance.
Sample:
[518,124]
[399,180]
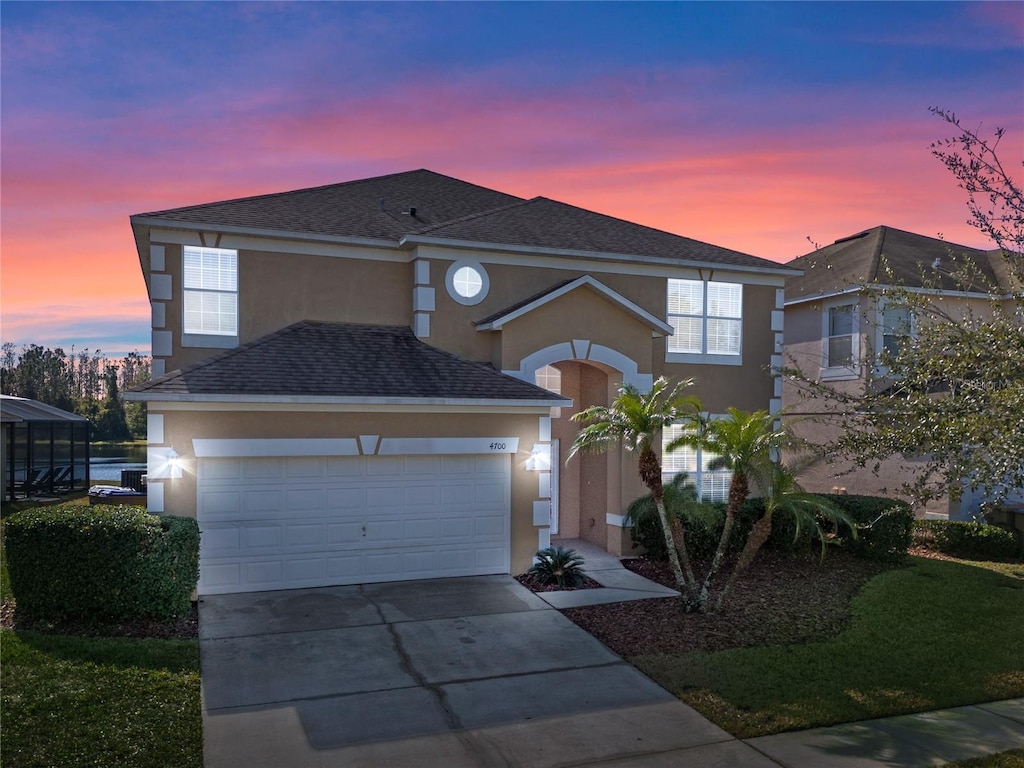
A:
[453,672]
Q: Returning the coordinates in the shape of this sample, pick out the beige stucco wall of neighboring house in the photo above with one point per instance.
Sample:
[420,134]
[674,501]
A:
[180,427]
[815,421]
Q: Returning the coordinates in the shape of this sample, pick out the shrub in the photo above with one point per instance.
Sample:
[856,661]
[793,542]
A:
[102,562]
[884,526]
[702,521]
[968,540]
[557,565]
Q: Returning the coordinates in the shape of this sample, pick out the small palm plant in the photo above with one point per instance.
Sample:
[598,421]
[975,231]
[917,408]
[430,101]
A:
[558,565]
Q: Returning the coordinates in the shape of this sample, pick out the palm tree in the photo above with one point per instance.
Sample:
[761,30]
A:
[783,493]
[635,421]
[746,443]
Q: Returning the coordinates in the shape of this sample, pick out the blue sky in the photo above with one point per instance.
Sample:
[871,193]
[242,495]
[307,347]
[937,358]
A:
[750,125]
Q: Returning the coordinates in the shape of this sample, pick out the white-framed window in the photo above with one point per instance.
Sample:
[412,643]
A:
[467,282]
[707,317]
[550,378]
[896,326]
[712,484]
[210,285]
[840,325]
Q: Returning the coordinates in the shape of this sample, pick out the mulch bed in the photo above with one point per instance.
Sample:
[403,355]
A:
[781,599]
[183,628]
[533,585]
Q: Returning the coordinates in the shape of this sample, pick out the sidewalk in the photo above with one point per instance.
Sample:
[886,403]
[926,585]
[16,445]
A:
[922,739]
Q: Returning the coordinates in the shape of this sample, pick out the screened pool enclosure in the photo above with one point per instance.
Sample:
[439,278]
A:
[45,450]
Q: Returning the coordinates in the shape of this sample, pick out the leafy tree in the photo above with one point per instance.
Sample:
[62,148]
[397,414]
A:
[951,394]
[635,421]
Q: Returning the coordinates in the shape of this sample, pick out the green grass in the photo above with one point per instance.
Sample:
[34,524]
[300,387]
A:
[77,701]
[73,701]
[934,635]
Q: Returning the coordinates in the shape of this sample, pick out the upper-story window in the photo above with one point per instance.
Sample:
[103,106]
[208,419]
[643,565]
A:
[210,280]
[708,320]
[839,331]
[896,328]
[467,282]
[712,484]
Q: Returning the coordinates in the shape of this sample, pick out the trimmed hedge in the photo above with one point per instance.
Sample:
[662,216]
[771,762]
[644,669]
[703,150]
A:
[967,540]
[101,562]
[884,526]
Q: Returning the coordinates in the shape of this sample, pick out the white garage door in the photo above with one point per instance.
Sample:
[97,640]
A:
[285,522]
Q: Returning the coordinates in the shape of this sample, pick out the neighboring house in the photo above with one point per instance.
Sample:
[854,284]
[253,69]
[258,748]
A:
[838,320]
[374,380]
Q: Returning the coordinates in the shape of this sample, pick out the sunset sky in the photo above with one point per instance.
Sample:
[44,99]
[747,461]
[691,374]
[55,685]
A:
[753,126]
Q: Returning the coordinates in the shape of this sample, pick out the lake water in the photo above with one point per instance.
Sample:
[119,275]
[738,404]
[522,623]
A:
[107,461]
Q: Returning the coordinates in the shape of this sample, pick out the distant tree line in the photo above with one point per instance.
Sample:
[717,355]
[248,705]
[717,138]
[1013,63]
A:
[83,382]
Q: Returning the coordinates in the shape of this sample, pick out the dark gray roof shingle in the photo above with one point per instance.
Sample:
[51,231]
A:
[544,223]
[448,208]
[352,208]
[888,256]
[344,360]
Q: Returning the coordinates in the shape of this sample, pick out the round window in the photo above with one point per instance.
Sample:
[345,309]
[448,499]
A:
[467,283]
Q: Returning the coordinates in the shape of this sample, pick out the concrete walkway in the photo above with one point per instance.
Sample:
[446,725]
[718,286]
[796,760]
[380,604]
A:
[481,673]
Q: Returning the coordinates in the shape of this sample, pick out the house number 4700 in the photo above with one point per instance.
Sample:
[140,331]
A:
[497,446]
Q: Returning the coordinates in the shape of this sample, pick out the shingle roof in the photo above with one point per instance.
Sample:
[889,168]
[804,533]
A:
[343,360]
[890,256]
[544,223]
[367,208]
[449,209]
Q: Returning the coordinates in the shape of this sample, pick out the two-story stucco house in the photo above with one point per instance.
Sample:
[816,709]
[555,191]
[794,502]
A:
[374,380]
[838,320]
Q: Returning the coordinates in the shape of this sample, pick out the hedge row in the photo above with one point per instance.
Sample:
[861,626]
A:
[102,562]
[883,526]
[967,540]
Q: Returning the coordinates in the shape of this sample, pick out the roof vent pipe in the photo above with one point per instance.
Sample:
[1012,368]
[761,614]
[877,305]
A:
[382,204]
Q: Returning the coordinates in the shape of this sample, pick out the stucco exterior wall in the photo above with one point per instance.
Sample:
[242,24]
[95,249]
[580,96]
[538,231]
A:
[180,427]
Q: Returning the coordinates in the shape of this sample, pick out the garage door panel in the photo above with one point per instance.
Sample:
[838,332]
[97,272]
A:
[285,522]
[262,573]
[384,465]
[220,505]
[219,468]
[456,494]
[305,467]
[422,465]
[263,501]
[262,468]
[490,494]
[345,498]
[305,535]
[344,466]
[385,497]
[307,569]
[344,533]
[262,537]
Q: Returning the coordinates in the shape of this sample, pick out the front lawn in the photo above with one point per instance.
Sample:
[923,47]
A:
[76,701]
[936,634]
[91,701]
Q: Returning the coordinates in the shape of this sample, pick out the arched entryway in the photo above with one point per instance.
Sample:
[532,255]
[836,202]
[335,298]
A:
[589,493]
